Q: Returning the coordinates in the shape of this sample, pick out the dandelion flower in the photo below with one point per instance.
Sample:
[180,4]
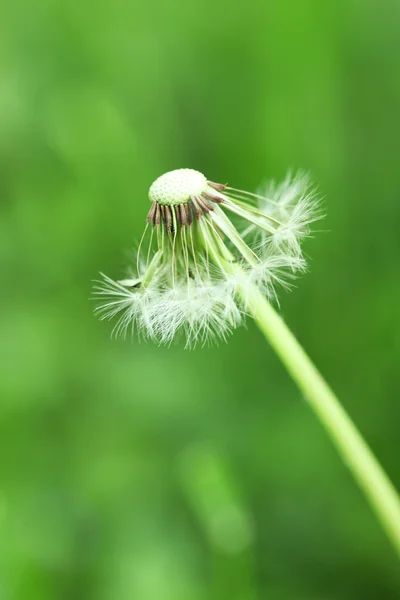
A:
[186,269]
[198,273]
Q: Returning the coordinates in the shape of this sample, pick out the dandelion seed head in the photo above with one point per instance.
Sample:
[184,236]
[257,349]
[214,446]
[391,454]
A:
[187,276]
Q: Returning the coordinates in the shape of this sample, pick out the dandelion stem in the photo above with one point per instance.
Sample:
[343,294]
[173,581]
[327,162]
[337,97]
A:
[367,471]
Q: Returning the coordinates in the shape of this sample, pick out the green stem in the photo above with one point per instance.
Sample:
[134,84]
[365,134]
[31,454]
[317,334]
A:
[370,476]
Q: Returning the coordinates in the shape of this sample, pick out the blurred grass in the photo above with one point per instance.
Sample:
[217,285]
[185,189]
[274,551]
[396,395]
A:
[96,101]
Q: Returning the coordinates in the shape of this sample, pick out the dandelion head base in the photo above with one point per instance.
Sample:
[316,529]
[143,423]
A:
[176,187]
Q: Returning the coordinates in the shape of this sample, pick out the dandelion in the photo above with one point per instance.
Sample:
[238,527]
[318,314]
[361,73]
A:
[211,254]
[186,280]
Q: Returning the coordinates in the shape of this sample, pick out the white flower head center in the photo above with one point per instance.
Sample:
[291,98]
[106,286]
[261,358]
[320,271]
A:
[176,187]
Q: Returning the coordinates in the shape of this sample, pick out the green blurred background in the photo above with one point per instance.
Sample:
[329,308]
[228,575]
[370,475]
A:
[135,472]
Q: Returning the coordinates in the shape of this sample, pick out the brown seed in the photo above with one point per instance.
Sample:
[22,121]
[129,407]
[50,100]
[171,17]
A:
[173,218]
[151,213]
[167,216]
[162,209]
[213,198]
[217,186]
[189,216]
[204,204]
[157,216]
[195,206]
[182,215]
